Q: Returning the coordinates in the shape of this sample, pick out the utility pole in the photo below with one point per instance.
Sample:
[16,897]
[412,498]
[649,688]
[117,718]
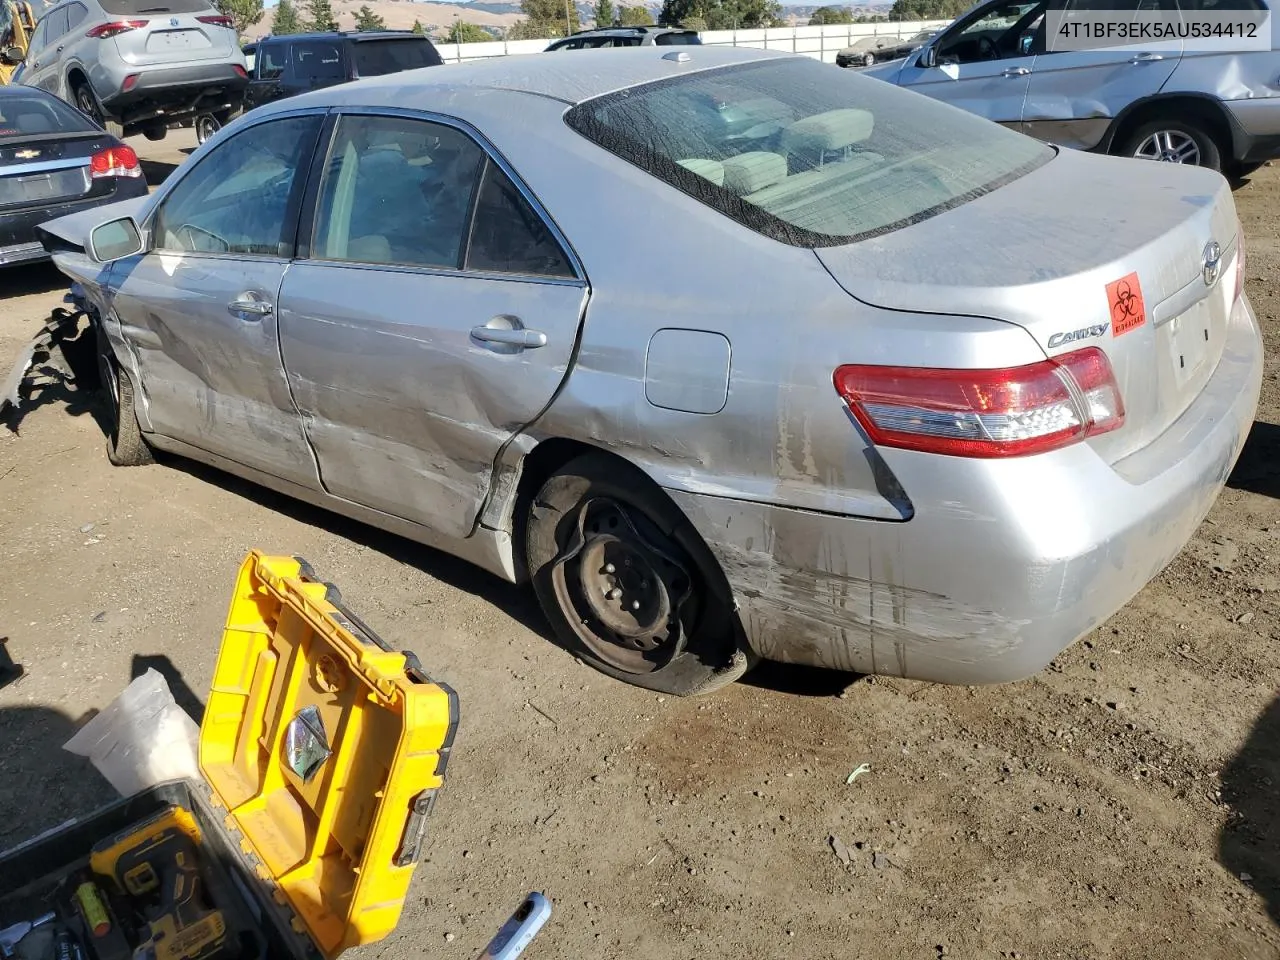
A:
[568,23]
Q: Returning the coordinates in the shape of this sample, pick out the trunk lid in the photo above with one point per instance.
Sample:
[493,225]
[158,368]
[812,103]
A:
[47,169]
[174,38]
[1085,251]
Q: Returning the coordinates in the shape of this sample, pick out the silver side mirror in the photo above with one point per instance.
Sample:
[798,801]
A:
[12,56]
[114,240]
[928,57]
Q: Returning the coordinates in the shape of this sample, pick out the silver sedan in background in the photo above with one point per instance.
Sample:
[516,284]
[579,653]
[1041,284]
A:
[731,353]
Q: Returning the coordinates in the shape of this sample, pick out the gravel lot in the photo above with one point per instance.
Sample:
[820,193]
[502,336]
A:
[1121,804]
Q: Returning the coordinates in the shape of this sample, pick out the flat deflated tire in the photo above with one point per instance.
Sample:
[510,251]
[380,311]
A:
[125,444]
[626,582]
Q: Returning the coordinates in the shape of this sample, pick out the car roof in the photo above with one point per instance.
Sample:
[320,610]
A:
[356,35]
[622,30]
[587,74]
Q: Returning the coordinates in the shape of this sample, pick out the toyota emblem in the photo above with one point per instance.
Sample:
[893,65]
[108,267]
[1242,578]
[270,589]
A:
[173,21]
[1212,263]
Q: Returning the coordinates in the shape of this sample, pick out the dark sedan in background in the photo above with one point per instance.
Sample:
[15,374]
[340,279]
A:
[54,161]
[871,51]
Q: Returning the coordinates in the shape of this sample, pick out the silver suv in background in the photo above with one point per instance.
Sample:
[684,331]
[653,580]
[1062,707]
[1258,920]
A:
[1157,100]
[137,66]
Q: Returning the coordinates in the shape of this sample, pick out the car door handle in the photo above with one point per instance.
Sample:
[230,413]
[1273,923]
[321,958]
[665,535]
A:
[1016,72]
[248,308]
[508,337]
[1146,58]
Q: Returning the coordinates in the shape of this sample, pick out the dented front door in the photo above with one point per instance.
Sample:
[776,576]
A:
[198,309]
[427,328]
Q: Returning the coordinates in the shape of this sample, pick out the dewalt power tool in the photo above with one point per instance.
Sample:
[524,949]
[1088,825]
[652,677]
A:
[155,864]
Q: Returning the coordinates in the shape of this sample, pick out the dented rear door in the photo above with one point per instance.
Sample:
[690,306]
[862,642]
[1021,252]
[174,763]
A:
[435,317]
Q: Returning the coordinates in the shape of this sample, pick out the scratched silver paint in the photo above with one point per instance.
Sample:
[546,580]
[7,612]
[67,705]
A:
[839,554]
[1083,99]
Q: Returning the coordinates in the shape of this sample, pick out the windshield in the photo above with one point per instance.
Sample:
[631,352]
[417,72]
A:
[805,152]
[27,116]
[373,58]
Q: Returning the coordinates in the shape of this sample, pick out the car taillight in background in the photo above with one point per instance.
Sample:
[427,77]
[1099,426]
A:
[104,31]
[115,162]
[218,21]
[1010,412]
[240,71]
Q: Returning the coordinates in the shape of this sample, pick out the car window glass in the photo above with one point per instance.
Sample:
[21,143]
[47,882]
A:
[24,115]
[1221,6]
[237,199]
[396,191]
[317,60]
[672,39]
[805,154]
[75,15]
[271,61]
[39,38]
[508,236]
[145,8]
[998,33]
[376,58]
[57,24]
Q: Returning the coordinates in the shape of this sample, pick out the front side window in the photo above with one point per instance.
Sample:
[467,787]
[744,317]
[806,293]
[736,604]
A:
[806,153]
[241,197]
[396,191]
[317,61]
[274,58]
[1003,31]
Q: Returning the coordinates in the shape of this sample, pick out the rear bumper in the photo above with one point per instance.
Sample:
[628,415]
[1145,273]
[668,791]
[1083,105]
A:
[176,90]
[1002,566]
[18,241]
[1255,129]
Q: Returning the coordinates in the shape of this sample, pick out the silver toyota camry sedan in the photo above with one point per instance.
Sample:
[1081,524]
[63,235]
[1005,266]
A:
[730,353]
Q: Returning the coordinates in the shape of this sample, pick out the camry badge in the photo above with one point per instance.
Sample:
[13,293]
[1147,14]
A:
[1212,263]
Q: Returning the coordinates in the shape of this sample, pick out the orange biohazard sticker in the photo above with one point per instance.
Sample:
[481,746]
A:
[1124,297]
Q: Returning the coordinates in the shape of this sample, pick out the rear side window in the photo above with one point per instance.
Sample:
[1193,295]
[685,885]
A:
[58,23]
[508,236]
[26,116]
[75,15]
[375,58]
[681,39]
[318,60]
[152,8]
[807,153]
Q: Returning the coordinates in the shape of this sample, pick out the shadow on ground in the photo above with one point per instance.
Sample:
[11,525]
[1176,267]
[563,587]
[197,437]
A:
[799,681]
[1258,469]
[42,785]
[183,695]
[156,171]
[1249,846]
[517,602]
[31,279]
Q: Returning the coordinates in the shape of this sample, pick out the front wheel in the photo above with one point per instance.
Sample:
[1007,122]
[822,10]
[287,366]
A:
[125,444]
[627,583]
[1173,140]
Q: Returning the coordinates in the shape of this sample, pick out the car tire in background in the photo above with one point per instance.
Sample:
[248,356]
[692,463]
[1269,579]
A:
[626,582]
[125,445]
[86,101]
[1172,140]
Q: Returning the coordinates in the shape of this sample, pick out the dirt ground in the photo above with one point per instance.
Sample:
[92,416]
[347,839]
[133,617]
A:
[1121,804]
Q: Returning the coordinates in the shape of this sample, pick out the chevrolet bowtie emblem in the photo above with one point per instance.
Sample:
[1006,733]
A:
[26,154]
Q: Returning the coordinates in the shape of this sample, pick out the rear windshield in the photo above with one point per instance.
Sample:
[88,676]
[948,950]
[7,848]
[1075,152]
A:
[805,152]
[27,116]
[149,8]
[373,58]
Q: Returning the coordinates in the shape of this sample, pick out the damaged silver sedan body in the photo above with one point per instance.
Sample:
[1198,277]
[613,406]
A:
[731,353]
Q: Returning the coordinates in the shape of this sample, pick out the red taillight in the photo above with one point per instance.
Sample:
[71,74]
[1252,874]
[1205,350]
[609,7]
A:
[218,21]
[114,162]
[129,82]
[1240,261]
[241,71]
[1008,412]
[104,31]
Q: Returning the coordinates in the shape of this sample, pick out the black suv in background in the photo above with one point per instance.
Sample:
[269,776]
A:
[626,37]
[293,64]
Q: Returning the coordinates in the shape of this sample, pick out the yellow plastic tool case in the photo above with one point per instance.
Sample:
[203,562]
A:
[322,750]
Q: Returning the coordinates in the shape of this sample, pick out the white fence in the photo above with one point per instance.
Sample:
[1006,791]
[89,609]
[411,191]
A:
[822,43]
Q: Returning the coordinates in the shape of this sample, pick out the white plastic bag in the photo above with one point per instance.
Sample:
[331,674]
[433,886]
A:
[142,739]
